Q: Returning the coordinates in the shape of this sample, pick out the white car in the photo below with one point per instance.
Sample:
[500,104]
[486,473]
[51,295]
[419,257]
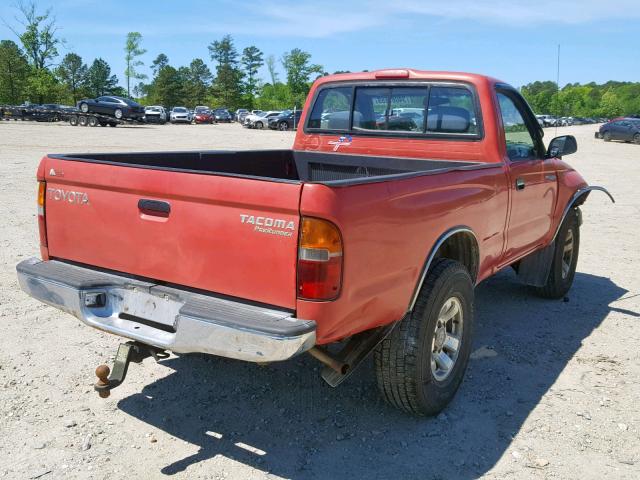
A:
[155,114]
[260,120]
[180,115]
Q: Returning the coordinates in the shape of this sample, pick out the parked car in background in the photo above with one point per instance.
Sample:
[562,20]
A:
[52,112]
[222,115]
[260,120]
[203,116]
[118,107]
[180,115]
[548,120]
[155,114]
[627,130]
[287,120]
[239,114]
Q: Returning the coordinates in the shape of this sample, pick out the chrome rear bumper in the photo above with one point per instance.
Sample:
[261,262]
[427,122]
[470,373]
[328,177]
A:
[165,317]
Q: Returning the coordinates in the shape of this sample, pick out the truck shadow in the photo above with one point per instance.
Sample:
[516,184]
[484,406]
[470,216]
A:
[282,419]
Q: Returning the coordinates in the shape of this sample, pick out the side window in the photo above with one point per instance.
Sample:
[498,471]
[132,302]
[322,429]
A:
[331,110]
[520,142]
[451,110]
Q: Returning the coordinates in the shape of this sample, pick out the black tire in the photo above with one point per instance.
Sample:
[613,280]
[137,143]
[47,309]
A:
[403,361]
[82,120]
[84,107]
[117,113]
[259,125]
[606,136]
[283,126]
[113,124]
[563,269]
[92,121]
[73,120]
[636,139]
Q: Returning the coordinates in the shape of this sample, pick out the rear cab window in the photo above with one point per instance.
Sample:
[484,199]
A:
[423,110]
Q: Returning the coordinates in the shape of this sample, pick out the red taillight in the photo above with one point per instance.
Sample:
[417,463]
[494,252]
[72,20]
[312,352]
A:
[319,260]
[42,190]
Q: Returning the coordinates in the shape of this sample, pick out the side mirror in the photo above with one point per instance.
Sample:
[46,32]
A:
[560,146]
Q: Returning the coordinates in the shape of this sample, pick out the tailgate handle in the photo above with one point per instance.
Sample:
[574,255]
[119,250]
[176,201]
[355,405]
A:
[154,207]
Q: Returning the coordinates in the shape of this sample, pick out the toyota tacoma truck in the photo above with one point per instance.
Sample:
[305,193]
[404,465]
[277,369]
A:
[403,190]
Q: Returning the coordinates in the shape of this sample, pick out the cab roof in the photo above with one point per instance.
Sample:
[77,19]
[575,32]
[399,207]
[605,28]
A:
[409,74]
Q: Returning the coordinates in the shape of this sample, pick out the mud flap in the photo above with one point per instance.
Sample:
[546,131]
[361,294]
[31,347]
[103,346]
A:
[534,268]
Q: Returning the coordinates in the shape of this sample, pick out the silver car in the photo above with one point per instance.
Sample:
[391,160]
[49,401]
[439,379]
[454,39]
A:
[180,115]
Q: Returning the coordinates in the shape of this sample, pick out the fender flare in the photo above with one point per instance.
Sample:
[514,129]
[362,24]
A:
[436,246]
[578,198]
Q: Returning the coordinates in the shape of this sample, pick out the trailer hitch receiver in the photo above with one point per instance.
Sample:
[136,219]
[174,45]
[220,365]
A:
[127,352]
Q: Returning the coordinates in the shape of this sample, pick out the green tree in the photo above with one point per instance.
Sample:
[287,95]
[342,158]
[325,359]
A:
[14,70]
[227,86]
[39,38]
[540,96]
[251,62]
[271,66]
[197,82]
[167,88]
[99,80]
[159,63]
[610,105]
[133,50]
[72,73]
[299,70]
[43,87]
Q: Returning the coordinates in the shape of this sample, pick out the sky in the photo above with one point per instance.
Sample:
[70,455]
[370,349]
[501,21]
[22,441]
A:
[513,40]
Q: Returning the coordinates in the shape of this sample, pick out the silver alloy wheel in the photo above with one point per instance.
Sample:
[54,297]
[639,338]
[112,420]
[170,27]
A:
[567,254]
[84,108]
[117,113]
[447,339]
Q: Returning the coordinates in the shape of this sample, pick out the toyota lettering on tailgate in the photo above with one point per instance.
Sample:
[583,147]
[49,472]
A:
[70,196]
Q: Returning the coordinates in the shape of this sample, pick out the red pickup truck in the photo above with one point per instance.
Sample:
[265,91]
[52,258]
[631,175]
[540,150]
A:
[404,189]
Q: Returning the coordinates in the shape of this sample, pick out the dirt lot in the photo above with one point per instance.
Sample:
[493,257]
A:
[552,390]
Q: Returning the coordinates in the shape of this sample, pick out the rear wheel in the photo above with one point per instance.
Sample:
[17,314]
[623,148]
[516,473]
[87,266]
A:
[420,366]
[117,113]
[606,136]
[565,259]
[84,108]
[82,120]
[93,122]
[636,139]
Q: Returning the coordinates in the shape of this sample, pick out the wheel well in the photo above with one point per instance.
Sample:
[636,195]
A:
[462,247]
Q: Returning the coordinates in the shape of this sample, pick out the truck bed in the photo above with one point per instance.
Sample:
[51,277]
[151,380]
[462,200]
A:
[291,166]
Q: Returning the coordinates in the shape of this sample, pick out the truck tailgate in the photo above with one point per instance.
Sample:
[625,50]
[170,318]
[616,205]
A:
[224,234]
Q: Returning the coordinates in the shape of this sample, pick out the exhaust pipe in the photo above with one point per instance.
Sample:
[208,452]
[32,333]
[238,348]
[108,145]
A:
[330,361]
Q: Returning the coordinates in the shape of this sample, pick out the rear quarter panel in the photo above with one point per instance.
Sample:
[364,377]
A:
[388,230]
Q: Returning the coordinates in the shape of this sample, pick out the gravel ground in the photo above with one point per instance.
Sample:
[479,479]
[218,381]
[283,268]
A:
[551,391]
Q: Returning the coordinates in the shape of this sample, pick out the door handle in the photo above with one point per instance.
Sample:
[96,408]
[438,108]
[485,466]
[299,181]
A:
[520,184]
[154,207]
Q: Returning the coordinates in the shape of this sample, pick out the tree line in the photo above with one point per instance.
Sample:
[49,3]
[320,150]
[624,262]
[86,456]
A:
[611,99]
[31,71]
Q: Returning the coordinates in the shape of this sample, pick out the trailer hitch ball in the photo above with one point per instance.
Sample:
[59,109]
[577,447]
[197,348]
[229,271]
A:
[102,372]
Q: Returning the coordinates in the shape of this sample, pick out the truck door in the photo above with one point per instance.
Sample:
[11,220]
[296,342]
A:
[532,177]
